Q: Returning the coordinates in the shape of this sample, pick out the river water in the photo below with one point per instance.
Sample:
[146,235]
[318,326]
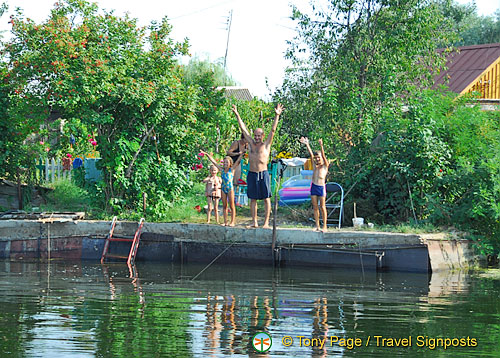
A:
[84,309]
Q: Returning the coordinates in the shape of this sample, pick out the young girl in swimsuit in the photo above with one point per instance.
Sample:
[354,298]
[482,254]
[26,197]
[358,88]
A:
[213,192]
[227,185]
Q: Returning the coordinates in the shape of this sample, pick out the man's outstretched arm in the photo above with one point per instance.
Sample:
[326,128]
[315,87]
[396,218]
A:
[242,125]
[278,110]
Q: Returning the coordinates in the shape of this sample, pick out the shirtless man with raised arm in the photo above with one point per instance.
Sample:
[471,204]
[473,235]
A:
[258,182]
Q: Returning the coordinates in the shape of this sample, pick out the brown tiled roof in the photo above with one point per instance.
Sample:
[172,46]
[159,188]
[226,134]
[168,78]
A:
[236,92]
[465,64]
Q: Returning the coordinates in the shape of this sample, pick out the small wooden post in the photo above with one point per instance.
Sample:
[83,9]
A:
[273,243]
[53,170]
[59,169]
[46,170]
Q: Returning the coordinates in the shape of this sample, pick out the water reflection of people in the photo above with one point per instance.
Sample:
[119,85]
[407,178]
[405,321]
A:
[228,334]
[320,326]
[213,325]
[267,314]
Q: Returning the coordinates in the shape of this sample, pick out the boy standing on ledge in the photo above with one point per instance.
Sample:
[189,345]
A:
[318,184]
[258,181]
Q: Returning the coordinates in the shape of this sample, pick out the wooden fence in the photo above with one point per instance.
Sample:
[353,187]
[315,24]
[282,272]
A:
[50,170]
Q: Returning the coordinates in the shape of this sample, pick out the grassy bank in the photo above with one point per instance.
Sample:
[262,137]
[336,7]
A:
[190,208]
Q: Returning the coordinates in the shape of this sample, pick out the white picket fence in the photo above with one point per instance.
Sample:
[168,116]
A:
[51,170]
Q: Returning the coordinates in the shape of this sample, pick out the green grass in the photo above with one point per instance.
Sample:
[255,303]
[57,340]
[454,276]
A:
[67,196]
[297,216]
[183,210]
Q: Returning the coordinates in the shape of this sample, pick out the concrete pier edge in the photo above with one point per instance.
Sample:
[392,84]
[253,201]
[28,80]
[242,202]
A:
[24,238]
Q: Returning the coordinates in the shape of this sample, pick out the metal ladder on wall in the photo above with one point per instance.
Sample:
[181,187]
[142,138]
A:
[133,239]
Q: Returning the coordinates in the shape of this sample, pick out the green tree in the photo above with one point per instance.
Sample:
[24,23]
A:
[481,30]
[122,82]
[198,67]
[216,124]
[353,64]
[358,80]
[19,144]
[206,77]
[472,29]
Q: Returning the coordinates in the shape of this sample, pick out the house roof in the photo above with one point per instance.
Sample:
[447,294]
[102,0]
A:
[465,64]
[237,92]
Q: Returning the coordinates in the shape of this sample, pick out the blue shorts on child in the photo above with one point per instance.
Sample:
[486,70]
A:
[318,190]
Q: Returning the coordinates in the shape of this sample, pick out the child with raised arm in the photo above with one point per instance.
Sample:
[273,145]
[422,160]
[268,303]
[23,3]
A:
[318,185]
[213,192]
[227,185]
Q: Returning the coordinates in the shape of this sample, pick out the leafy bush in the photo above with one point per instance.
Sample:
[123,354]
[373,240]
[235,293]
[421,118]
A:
[445,153]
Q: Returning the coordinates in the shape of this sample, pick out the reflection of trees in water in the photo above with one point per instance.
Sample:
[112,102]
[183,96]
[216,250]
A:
[130,318]
[133,278]
[127,327]
[136,282]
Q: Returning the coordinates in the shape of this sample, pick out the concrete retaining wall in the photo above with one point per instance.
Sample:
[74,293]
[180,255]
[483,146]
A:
[451,254]
[30,229]
[85,239]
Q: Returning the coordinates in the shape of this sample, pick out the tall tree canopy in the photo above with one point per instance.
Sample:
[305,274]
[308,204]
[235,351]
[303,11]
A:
[356,59]
[119,90]
[472,29]
[121,82]
[198,67]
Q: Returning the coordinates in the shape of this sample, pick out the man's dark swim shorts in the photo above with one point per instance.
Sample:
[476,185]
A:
[258,185]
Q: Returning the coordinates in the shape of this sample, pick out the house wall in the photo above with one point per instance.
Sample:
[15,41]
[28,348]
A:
[488,83]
